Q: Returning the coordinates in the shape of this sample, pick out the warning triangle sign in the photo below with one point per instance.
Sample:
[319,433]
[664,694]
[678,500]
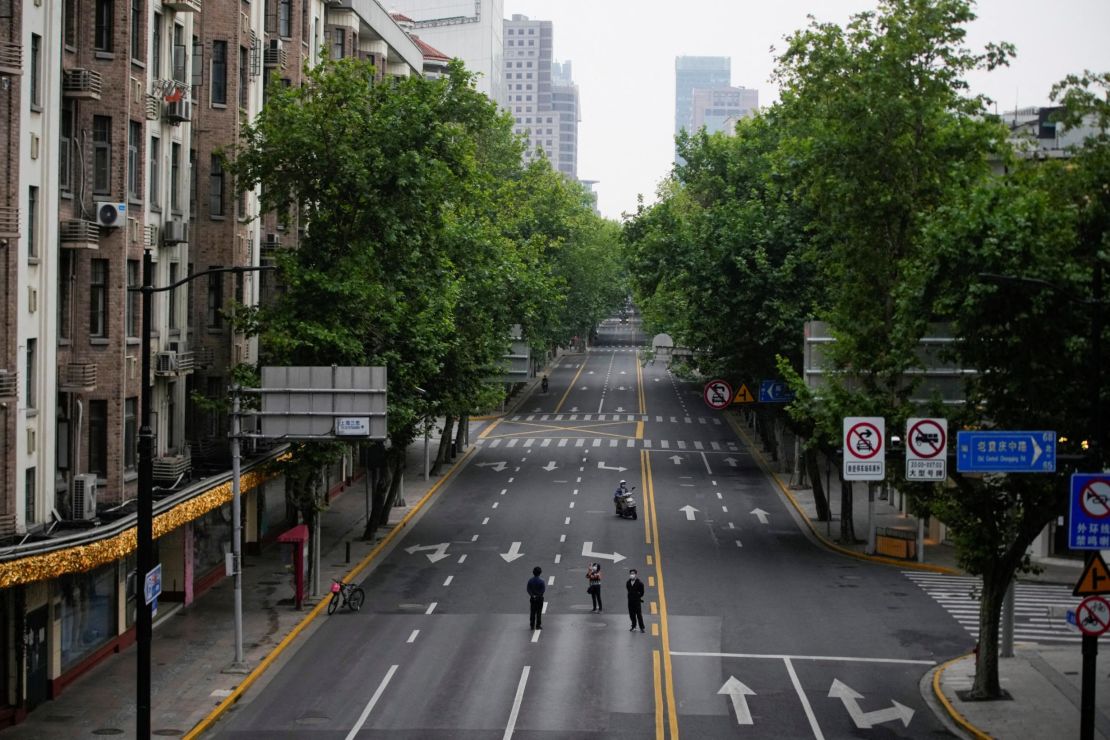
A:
[1095,579]
[743,395]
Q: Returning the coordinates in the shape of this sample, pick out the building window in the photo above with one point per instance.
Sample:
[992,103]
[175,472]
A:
[213,318]
[134,136]
[156,49]
[198,66]
[244,84]
[216,187]
[155,172]
[178,52]
[32,223]
[103,25]
[219,73]
[102,154]
[285,18]
[193,177]
[130,429]
[136,30]
[69,24]
[29,487]
[32,350]
[98,298]
[36,70]
[175,177]
[133,298]
[86,613]
[65,146]
[338,44]
[98,438]
[65,269]
[172,309]
[171,416]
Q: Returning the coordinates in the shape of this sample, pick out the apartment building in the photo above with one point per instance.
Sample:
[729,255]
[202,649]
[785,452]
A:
[719,108]
[115,119]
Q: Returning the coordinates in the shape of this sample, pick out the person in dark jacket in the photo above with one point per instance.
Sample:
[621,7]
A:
[635,589]
[593,575]
[536,588]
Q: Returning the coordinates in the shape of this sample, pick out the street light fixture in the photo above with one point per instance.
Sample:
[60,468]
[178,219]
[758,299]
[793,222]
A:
[144,520]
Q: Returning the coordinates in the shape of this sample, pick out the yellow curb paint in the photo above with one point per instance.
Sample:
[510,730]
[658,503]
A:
[954,713]
[809,523]
[490,428]
[668,673]
[254,675]
[570,387]
[658,692]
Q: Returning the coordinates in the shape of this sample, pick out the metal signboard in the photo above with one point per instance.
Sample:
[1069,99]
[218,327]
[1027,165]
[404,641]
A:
[926,449]
[774,391]
[310,402]
[352,426]
[863,447]
[152,584]
[1006,452]
[1095,580]
[717,394]
[1089,512]
[1093,616]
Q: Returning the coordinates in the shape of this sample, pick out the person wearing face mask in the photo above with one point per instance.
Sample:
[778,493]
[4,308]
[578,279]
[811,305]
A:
[635,589]
[593,575]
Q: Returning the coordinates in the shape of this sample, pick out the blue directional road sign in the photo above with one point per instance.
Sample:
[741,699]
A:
[1006,452]
[1089,512]
[774,391]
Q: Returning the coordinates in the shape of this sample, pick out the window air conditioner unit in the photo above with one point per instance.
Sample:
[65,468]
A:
[84,496]
[165,363]
[175,232]
[112,215]
[178,111]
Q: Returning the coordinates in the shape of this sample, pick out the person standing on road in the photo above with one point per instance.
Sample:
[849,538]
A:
[536,589]
[593,575]
[635,589]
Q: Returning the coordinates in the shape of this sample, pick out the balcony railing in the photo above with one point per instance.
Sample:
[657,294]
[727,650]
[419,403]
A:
[9,382]
[81,83]
[11,58]
[77,376]
[76,233]
[9,222]
[274,56]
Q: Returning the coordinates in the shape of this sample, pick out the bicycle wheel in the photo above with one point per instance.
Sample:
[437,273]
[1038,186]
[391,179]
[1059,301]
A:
[355,599]
[334,603]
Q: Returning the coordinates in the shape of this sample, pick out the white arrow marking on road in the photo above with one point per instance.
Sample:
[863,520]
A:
[588,552]
[731,461]
[603,466]
[584,388]
[866,720]
[440,550]
[739,694]
[621,388]
[590,372]
[761,514]
[498,466]
[656,379]
[573,409]
[689,512]
[513,553]
[620,409]
[677,459]
[550,466]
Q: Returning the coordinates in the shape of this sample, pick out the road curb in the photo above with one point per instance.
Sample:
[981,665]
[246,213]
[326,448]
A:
[210,719]
[954,714]
[824,541]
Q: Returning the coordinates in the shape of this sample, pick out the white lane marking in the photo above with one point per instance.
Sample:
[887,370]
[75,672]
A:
[739,543]
[535,635]
[562,538]
[462,559]
[715,445]
[431,607]
[412,637]
[546,441]
[777,656]
[731,525]
[724,509]
[574,492]
[704,459]
[550,582]
[474,538]
[510,480]
[558,417]
[719,496]
[495,503]
[805,701]
[665,444]
[545,417]
[571,504]
[574,417]
[504,491]
[631,443]
[544,609]
[529,417]
[659,418]
[567,520]
[681,445]
[558,558]
[515,470]
[518,698]
[448,581]
[485,521]
[370,705]
[578,479]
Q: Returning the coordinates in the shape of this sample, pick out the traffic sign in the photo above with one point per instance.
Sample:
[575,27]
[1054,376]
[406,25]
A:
[152,584]
[926,448]
[1089,512]
[1006,452]
[1095,579]
[1093,616]
[863,447]
[774,391]
[717,394]
[743,395]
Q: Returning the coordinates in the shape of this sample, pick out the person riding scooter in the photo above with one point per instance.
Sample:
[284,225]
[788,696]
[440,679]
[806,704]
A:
[623,502]
[543,384]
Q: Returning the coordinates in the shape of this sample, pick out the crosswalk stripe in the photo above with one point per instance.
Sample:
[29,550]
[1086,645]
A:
[613,442]
[580,441]
[681,445]
[563,442]
[715,445]
[511,442]
[631,443]
[698,446]
[647,444]
[528,442]
[597,442]
[494,443]
[546,442]
[665,445]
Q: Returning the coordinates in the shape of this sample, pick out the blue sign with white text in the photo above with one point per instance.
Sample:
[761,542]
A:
[774,391]
[1006,452]
[1089,512]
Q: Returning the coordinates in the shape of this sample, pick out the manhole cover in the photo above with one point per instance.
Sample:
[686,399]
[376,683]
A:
[108,731]
[167,733]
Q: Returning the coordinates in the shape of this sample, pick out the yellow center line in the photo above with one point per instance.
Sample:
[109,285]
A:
[659,735]
[668,672]
[571,386]
[640,393]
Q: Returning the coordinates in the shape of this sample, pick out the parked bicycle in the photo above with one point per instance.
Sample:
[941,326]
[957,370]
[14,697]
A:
[345,594]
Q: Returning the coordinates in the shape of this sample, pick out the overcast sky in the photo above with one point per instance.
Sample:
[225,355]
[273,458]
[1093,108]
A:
[624,50]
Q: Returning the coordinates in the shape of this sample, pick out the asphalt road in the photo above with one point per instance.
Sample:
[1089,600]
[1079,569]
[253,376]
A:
[752,630]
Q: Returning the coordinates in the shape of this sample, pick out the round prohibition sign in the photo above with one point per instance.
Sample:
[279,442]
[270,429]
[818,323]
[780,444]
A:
[1093,616]
[717,394]
[927,439]
[864,440]
[1095,498]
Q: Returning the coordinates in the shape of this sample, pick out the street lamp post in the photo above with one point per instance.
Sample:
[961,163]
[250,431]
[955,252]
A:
[144,518]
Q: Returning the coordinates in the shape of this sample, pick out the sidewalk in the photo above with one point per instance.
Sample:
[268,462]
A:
[1043,680]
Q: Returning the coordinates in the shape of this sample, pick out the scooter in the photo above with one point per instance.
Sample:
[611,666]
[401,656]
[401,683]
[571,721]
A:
[625,505]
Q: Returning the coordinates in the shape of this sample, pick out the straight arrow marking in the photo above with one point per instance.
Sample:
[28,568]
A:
[739,694]
[550,466]
[761,514]
[689,511]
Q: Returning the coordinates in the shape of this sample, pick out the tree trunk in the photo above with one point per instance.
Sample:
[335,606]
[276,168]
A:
[396,478]
[847,526]
[995,582]
[800,473]
[460,433]
[444,452]
[379,512]
[820,499]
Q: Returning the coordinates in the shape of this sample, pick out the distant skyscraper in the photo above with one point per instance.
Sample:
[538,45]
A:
[692,73]
[540,94]
[467,29]
[718,108]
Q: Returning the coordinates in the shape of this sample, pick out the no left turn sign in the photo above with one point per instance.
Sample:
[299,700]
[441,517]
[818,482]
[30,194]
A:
[717,394]
[1093,616]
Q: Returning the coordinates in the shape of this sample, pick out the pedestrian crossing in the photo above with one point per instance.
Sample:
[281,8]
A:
[1033,605]
[665,419]
[640,444]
